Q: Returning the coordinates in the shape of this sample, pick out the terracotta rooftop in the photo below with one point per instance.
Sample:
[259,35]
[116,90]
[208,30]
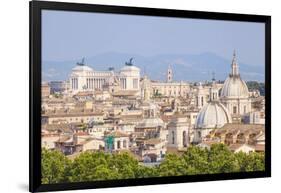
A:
[118,134]
[71,112]
[64,127]
[242,128]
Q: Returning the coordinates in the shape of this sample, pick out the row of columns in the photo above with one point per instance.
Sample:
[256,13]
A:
[74,83]
[123,83]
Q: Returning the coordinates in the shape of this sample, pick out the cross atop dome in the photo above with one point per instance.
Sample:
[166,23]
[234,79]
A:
[234,65]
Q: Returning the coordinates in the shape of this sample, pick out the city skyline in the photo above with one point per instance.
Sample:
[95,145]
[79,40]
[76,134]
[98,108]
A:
[189,68]
[140,96]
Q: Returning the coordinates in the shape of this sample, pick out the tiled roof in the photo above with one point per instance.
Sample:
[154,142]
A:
[72,112]
[118,134]
[64,127]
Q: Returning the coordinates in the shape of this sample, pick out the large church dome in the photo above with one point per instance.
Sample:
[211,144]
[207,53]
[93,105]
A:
[213,115]
[234,87]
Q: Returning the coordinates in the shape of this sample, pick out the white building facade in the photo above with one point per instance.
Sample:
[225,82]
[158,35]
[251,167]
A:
[84,78]
[178,133]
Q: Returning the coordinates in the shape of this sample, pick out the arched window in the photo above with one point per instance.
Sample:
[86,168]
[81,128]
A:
[202,101]
[245,109]
[173,137]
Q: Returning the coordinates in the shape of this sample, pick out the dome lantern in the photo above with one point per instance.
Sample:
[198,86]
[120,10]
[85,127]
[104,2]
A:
[234,65]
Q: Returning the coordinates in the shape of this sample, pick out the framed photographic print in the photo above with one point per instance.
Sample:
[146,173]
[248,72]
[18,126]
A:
[126,96]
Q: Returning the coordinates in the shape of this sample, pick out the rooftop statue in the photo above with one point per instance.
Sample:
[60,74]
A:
[130,63]
[82,63]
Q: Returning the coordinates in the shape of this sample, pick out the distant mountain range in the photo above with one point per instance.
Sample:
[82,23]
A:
[187,67]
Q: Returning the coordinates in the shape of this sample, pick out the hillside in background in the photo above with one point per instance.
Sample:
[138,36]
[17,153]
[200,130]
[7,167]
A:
[187,67]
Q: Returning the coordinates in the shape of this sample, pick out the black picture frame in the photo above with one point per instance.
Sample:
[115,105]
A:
[36,7]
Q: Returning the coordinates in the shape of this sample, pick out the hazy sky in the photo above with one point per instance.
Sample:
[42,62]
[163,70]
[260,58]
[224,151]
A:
[72,35]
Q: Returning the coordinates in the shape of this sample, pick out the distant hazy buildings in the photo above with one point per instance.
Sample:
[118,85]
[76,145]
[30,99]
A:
[169,88]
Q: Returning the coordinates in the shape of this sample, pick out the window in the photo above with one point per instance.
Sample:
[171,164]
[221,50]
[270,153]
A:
[118,144]
[245,109]
[184,139]
[173,137]
[124,144]
[234,110]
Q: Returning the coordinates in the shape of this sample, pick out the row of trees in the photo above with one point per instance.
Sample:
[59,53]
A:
[92,166]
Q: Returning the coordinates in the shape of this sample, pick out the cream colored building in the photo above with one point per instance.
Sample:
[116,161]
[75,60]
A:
[178,133]
[120,141]
[169,88]
[48,141]
[71,116]
[84,78]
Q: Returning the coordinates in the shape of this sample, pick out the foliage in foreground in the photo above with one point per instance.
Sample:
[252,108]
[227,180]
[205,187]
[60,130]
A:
[90,166]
